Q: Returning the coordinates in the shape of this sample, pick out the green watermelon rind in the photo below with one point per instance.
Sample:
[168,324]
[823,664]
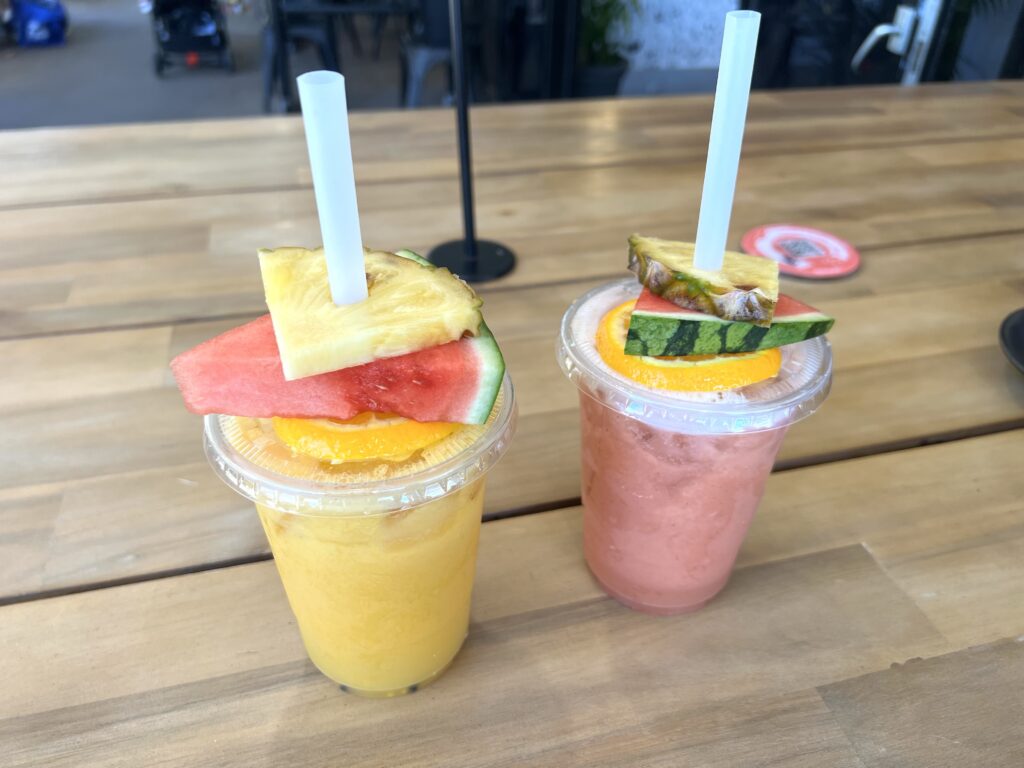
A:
[405,253]
[492,371]
[492,364]
[655,334]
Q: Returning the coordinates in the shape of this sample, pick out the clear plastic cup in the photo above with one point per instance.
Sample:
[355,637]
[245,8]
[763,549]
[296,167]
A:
[377,560]
[670,481]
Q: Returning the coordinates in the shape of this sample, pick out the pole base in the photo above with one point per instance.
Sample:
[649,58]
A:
[493,260]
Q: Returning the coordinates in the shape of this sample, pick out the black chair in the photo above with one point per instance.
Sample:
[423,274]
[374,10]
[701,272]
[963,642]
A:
[516,49]
[427,46]
[312,21]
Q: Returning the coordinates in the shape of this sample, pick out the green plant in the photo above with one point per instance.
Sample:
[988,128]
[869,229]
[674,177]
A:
[597,19]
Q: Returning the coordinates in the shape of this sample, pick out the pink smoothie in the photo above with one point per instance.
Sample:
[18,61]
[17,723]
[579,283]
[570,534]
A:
[665,512]
[671,480]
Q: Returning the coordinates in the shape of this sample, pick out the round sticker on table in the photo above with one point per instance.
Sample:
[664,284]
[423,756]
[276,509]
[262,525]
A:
[802,251]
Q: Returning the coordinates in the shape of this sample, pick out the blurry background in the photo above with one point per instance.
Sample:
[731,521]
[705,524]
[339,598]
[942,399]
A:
[65,62]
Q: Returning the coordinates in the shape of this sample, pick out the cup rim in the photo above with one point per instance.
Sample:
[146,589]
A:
[803,384]
[285,493]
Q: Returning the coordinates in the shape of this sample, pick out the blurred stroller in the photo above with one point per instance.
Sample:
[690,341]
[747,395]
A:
[190,32]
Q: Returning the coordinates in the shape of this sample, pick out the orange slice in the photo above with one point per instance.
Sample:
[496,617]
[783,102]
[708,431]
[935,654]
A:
[693,373]
[366,437]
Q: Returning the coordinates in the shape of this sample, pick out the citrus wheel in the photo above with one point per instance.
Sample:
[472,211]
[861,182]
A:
[691,373]
[366,437]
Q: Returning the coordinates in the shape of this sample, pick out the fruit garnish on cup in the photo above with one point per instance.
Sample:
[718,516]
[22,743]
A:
[380,380]
[745,288]
[699,330]
[679,373]
[411,305]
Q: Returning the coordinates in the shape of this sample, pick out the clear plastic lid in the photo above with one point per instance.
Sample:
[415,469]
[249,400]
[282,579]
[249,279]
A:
[796,392]
[250,458]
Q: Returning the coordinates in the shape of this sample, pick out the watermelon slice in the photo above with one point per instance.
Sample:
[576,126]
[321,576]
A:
[659,328]
[239,373]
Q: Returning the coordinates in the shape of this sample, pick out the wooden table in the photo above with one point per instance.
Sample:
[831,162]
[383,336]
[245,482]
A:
[877,614]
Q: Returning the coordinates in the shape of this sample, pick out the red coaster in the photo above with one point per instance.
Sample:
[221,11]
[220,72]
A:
[802,251]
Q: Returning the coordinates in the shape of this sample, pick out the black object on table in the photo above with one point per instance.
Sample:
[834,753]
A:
[1011,338]
[475,261]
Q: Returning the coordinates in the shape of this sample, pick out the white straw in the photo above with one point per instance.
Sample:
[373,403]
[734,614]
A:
[325,115]
[727,121]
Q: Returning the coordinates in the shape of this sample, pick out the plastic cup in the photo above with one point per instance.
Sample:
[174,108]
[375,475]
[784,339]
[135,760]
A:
[670,481]
[378,572]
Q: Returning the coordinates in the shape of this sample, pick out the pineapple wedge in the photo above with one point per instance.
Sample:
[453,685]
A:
[411,305]
[745,289]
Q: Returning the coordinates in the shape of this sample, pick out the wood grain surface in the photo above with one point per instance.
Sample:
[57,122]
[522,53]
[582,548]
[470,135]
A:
[875,616]
[562,184]
[73,165]
[117,451]
[196,662]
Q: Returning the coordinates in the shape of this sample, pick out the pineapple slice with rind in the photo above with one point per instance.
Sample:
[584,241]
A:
[411,305]
[745,289]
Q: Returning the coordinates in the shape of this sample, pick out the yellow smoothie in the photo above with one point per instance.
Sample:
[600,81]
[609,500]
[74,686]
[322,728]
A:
[377,557]
[382,600]
[363,433]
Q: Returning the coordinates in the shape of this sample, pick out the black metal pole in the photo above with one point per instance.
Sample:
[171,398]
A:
[462,115]
[473,260]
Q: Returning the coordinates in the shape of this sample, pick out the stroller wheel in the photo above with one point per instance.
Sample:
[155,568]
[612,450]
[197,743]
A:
[159,64]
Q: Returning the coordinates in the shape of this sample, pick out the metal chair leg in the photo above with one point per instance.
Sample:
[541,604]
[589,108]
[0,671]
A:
[352,33]
[332,59]
[419,61]
[379,22]
[268,66]
[283,64]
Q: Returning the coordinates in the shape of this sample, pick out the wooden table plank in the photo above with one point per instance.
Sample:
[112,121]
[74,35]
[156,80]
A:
[973,597]
[157,261]
[74,165]
[202,664]
[563,676]
[955,710]
[534,563]
[189,523]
